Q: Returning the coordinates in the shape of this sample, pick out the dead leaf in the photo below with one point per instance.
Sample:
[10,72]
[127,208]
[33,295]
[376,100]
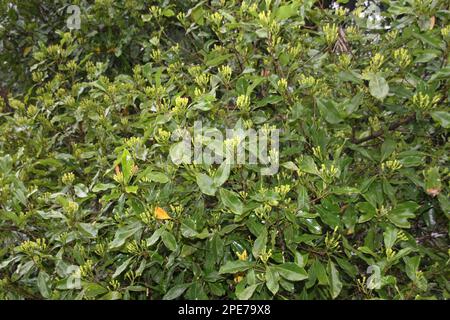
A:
[432,22]
[161,214]
[433,192]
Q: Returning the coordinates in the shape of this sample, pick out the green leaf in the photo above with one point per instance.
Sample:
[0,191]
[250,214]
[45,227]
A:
[335,281]
[122,234]
[286,11]
[215,60]
[157,177]
[329,212]
[206,184]
[198,14]
[246,293]
[43,283]
[433,183]
[127,166]
[235,266]
[216,246]
[20,195]
[231,200]
[378,87]
[121,268]
[176,291]
[260,244]
[441,74]
[146,17]
[387,148]
[291,271]
[272,278]
[402,212]
[390,236]
[155,237]
[103,187]
[131,189]
[169,240]
[93,290]
[328,111]
[168,13]
[302,198]
[112,295]
[441,117]
[349,107]
[222,174]
[308,165]
[290,165]
[81,191]
[428,38]
[313,226]
[180,153]
[88,229]
[412,266]
[196,292]
[368,211]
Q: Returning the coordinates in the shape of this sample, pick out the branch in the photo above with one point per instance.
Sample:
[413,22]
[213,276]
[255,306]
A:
[393,126]
[4,96]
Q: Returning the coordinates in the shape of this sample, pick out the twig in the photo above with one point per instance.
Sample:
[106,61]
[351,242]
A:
[393,126]
[4,96]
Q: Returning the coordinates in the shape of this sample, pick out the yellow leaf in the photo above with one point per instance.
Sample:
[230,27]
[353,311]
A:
[161,214]
[26,51]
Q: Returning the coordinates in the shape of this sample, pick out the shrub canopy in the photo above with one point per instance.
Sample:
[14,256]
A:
[92,205]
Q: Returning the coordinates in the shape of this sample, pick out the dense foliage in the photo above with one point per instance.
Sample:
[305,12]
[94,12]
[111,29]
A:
[92,205]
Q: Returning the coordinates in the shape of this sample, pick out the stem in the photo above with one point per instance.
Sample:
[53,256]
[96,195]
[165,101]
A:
[393,126]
